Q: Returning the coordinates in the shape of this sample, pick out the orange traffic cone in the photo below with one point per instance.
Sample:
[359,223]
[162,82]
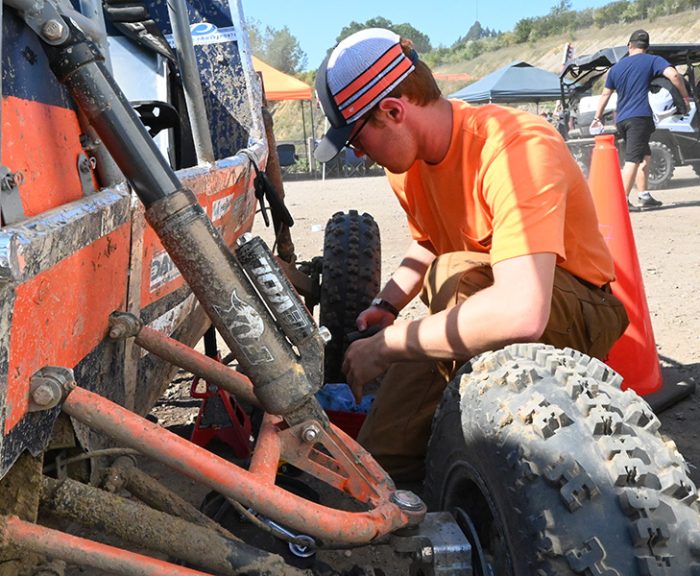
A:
[634,355]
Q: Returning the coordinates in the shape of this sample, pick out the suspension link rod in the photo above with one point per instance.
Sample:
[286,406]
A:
[140,525]
[84,552]
[233,482]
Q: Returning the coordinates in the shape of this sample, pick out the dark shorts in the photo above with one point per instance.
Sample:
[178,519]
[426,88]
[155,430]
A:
[636,132]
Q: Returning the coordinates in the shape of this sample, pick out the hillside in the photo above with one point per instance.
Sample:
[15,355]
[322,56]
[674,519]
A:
[546,53]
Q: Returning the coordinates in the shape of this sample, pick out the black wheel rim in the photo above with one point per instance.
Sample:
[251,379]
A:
[466,494]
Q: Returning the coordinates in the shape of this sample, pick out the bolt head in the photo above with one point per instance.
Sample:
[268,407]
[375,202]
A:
[45,395]
[116,331]
[310,433]
[52,30]
[325,334]
[407,500]
[244,238]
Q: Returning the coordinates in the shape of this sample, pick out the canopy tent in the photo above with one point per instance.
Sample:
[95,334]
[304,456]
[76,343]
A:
[517,82]
[281,86]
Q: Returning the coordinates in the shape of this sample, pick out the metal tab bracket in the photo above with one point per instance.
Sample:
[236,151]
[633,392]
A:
[10,200]
[85,167]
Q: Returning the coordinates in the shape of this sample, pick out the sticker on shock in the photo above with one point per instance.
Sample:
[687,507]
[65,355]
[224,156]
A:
[163,270]
[220,207]
[247,327]
[206,33]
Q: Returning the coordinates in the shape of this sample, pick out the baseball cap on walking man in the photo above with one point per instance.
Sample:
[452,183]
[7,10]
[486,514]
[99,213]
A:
[640,38]
[358,73]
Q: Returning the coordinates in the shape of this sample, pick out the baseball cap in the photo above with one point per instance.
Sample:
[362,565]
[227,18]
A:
[641,36]
[356,75]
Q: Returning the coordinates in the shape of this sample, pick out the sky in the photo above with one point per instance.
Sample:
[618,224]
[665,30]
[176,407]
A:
[317,23]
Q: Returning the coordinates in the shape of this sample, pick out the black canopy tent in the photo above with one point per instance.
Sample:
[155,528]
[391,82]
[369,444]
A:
[516,82]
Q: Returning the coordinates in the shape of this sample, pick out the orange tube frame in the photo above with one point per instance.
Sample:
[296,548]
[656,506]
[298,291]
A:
[85,552]
[251,489]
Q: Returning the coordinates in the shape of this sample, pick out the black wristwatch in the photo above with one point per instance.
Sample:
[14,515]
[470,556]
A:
[385,305]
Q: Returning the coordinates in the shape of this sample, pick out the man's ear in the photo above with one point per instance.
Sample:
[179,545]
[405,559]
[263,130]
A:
[394,108]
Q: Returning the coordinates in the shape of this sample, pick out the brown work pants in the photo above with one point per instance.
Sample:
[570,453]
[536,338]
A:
[397,428]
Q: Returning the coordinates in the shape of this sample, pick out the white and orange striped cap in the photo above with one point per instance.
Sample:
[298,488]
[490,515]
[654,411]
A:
[360,71]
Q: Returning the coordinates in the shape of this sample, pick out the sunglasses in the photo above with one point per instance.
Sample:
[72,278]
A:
[349,143]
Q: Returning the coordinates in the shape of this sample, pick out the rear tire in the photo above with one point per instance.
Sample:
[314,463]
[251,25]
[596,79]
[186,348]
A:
[350,279]
[662,166]
[561,472]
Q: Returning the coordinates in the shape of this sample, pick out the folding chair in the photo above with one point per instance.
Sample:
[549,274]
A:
[287,155]
[353,165]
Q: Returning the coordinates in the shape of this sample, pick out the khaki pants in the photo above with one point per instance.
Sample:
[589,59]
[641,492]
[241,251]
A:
[397,428]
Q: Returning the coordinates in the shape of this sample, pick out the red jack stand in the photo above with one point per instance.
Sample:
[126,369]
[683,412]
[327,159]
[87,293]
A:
[220,416]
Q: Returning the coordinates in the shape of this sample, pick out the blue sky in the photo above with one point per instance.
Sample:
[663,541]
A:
[317,23]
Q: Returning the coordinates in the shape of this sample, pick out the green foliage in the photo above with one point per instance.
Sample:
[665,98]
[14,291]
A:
[561,19]
[279,48]
[421,42]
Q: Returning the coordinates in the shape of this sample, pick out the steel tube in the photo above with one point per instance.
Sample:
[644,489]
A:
[207,368]
[108,110]
[143,526]
[123,474]
[266,456]
[83,552]
[194,462]
[191,81]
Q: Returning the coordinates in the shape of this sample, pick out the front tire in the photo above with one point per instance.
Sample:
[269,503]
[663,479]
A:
[350,279]
[662,166]
[561,472]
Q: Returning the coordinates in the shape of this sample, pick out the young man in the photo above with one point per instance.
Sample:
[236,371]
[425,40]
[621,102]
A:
[505,245]
[631,78]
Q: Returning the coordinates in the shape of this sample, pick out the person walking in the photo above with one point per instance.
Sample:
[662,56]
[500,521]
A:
[631,78]
[506,246]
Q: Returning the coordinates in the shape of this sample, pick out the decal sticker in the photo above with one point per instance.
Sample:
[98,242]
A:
[247,327]
[163,270]
[207,33]
[220,207]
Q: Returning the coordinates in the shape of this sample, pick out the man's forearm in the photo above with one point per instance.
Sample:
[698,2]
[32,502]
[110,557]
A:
[514,309]
[407,280]
[601,106]
[677,81]
[481,323]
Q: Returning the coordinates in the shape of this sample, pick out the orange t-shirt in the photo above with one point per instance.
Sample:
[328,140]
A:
[508,186]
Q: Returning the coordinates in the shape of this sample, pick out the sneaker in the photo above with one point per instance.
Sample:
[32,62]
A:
[649,202]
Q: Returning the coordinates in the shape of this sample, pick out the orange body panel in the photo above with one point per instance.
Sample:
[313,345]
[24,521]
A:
[61,314]
[35,143]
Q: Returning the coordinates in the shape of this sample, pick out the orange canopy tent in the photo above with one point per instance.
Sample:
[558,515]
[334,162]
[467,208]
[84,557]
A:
[281,86]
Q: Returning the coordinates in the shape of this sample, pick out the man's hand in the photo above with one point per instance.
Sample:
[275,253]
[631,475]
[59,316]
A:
[374,316]
[364,361]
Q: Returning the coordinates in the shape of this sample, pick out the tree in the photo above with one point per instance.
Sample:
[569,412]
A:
[279,48]
[475,32]
[421,42]
[561,7]
[283,51]
[522,30]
